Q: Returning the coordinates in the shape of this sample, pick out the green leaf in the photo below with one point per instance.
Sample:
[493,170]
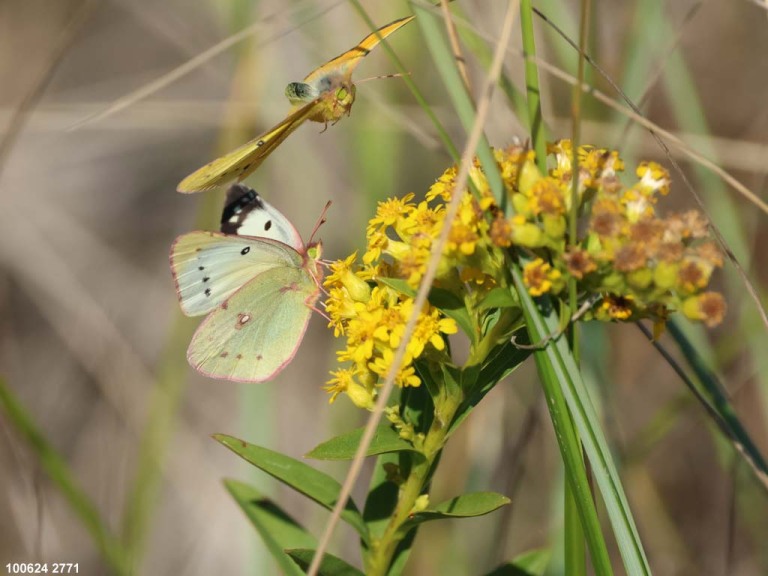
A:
[277,529]
[343,447]
[314,484]
[504,359]
[428,373]
[531,563]
[464,506]
[382,495]
[330,565]
[499,297]
[398,285]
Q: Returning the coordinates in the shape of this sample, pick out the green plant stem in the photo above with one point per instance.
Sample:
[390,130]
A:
[533,91]
[378,560]
[575,552]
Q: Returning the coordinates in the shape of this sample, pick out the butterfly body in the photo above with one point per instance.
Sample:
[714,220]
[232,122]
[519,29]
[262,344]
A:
[325,95]
[333,103]
[258,291]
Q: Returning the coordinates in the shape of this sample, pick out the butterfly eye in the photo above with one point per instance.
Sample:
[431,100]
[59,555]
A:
[298,92]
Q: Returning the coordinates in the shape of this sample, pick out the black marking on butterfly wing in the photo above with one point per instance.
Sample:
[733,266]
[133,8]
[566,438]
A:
[241,201]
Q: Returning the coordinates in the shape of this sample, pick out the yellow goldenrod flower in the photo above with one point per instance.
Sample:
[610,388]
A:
[708,307]
[343,381]
[638,264]
[616,307]
[546,197]
[539,276]
[579,263]
[391,211]
[429,330]
[501,232]
[694,274]
[653,178]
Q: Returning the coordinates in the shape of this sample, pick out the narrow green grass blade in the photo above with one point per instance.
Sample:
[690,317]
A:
[443,134]
[277,529]
[532,87]
[562,372]
[744,444]
[58,471]
[574,552]
[442,56]
[568,441]
[480,49]
[723,209]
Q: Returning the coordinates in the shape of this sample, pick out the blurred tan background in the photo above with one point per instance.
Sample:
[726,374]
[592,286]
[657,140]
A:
[92,340]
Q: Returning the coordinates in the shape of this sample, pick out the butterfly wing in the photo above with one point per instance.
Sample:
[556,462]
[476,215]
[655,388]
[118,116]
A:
[242,161]
[246,213]
[344,64]
[253,335]
[209,267]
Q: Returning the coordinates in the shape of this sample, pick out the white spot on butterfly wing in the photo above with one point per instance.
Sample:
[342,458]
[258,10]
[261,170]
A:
[242,319]
[266,221]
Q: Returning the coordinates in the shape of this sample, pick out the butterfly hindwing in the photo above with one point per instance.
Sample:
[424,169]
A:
[256,332]
[209,267]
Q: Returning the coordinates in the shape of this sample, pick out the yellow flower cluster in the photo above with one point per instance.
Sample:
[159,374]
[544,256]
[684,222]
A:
[629,261]
[641,264]
[372,316]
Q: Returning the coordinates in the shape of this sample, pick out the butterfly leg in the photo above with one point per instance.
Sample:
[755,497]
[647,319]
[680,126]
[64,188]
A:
[321,312]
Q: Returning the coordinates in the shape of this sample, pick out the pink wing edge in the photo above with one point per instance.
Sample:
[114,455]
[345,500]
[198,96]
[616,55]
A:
[173,268]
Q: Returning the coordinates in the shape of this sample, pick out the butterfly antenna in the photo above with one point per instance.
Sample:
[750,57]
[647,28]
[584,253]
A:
[382,77]
[320,221]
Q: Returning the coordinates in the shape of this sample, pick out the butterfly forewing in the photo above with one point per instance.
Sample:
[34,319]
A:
[209,267]
[256,332]
[344,64]
[248,214]
[241,162]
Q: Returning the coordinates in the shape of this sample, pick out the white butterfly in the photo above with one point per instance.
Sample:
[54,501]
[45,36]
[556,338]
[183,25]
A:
[258,281]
